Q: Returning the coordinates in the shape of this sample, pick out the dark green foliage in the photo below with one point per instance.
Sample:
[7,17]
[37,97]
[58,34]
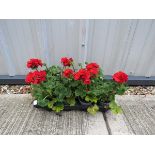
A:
[58,90]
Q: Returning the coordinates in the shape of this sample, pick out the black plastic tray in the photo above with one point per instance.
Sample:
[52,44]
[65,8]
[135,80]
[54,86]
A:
[77,107]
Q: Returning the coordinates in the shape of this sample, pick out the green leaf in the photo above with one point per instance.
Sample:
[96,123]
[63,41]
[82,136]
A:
[69,92]
[80,65]
[49,91]
[115,108]
[95,99]
[74,84]
[121,89]
[119,110]
[93,109]
[43,103]
[71,101]
[61,92]
[91,99]
[54,70]
[87,98]
[112,97]
[112,104]
[58,108]
[80,92]
[51,103]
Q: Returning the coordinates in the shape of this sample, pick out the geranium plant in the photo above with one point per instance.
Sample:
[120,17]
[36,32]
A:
[58,87]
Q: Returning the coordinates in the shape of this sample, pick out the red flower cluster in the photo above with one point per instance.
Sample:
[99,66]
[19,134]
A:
[34,63]
[35,77]
[83,75]
[93,68]
[66,61]
[120,77]
[86,74]
[67,73]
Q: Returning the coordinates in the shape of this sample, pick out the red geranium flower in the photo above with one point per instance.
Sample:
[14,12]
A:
[67,73]
[92,65]
[83,75]
[86,81]
[86,75]
[94,71]
[120,77]
[78,75]
[35,77]
[66,61]
[93,68]
[34,63]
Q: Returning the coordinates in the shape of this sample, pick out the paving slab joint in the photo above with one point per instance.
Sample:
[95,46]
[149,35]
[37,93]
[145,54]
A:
[107,124]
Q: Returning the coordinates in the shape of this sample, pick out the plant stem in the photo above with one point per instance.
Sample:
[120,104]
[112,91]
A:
[46,66]
[45,97]
[73,67]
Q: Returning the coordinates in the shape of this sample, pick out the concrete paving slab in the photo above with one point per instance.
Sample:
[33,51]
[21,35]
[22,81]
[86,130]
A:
[135,99]
[140,118]
[139,113]
[18,117]
[117,124]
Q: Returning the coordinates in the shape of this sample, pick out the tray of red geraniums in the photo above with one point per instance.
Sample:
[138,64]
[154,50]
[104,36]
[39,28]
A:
[74,88]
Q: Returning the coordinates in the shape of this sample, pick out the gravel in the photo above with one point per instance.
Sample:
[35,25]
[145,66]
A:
[25,89]
[141,90]
[15,89]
